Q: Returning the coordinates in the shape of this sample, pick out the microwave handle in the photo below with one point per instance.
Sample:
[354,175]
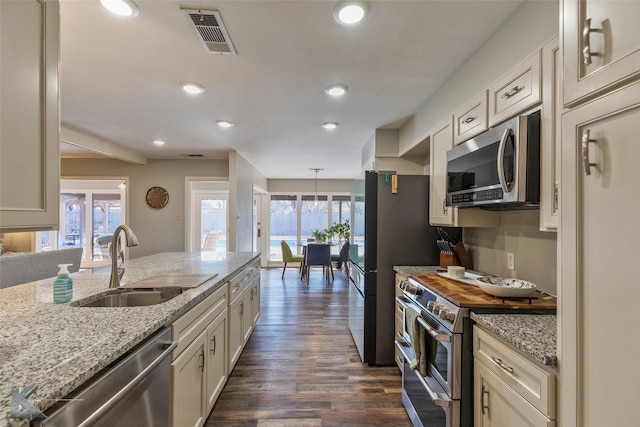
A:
[503,182]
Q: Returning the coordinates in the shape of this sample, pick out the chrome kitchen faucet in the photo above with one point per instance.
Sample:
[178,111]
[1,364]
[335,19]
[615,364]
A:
[116,252]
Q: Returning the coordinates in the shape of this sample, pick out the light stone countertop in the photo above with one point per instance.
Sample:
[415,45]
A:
[534,334]
[58,347]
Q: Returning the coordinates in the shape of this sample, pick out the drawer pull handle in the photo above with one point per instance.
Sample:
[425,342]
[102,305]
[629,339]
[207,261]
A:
[482,404]
[586,42]
[586,163]
[508,94]
[501,364]
[468,120]
[444,206]
[213,345]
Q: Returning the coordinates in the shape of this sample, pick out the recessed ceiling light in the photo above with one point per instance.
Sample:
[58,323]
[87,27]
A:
[159,142]
[224,123]
[192,88]
[330,125]
[336,90]
[121,7]
[350,12]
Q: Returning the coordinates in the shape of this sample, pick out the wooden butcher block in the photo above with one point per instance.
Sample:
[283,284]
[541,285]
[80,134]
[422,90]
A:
[469,296]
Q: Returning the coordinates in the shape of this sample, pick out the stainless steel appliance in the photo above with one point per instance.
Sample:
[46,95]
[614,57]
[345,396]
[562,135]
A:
[387,229]
[498,169]
[134,392]
[442,395]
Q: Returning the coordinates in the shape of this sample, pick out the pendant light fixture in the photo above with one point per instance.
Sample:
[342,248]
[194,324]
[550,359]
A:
[316,170]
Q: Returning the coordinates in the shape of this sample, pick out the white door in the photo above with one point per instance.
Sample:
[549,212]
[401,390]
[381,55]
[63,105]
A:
[209,228]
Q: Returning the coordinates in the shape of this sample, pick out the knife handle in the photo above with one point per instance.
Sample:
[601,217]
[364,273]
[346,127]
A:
[463,255]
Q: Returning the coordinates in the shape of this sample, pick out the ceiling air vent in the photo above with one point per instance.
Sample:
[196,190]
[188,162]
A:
[192,155]
[211,31]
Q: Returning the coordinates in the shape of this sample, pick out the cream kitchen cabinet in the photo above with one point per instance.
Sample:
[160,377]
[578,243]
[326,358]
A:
[470,119]
[29,115]
[199,369]
[598,296]
[510,389]
[516,91]
[242,313]
[399,319]
[550,135]
[600,47]
[441,140]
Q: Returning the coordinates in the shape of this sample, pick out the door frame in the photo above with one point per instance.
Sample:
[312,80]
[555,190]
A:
[220,183]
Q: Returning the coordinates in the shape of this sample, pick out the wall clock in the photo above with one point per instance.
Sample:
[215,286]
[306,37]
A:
[157,197]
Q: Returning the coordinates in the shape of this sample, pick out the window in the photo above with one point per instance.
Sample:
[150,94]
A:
[293,217]
[90,211]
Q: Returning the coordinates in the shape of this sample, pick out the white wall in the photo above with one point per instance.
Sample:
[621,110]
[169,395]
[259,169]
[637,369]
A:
[529,27]
[309,185]
[242,179]
[158,230]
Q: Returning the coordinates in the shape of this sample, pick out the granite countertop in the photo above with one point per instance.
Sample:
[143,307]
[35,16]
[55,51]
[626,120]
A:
[408,270]
[58,347]
[534,334]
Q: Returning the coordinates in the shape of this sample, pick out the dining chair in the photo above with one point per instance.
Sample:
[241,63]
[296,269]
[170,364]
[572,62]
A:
[342,258]
[287,256]
[318,254]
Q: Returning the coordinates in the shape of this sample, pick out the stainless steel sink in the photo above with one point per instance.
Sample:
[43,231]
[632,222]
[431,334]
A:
[131,297]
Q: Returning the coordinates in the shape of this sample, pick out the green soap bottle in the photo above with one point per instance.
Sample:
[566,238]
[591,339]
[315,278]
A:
[63,285]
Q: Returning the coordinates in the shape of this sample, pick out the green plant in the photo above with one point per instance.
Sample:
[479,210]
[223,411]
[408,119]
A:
[317,234]
[342,230]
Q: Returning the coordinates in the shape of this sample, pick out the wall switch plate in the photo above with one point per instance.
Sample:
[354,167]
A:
[511,261]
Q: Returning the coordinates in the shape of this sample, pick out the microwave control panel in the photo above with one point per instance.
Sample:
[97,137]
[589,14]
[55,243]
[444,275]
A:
[470,197]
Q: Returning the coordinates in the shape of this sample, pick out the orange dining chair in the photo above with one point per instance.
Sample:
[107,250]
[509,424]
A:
[287,256]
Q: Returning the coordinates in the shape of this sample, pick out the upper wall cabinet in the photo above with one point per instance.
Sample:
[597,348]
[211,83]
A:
[550,135]
[600,45]
[29,115]
[516,91]
[470,119]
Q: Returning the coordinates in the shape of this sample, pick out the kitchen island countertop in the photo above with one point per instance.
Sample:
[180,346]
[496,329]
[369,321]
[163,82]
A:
[58,347]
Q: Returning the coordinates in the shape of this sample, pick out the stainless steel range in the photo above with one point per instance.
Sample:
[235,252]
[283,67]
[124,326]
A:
[438,390]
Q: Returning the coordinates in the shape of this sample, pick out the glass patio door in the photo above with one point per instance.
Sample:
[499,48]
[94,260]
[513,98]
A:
[210,221]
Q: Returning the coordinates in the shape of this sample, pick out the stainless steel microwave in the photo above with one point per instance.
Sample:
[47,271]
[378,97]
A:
[498,169]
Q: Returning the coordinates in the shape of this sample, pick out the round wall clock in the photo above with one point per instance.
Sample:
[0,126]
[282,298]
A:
[157,197]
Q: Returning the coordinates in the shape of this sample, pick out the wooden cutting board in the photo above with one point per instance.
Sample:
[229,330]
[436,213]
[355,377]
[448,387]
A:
[470,296]
[172,279]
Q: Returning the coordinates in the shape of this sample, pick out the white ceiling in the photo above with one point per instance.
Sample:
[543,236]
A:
[120,76]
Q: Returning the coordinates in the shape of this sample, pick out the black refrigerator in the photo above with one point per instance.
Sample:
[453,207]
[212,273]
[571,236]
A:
[388,228]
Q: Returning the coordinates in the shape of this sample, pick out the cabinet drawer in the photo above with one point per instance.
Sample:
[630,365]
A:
[470,119]
[515,91]
[186,328]
[241,280]
[531,380]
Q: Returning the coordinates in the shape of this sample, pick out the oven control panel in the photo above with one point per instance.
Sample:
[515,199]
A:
[444,311]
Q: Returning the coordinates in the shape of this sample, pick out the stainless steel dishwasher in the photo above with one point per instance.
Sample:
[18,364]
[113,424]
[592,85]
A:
[134,392]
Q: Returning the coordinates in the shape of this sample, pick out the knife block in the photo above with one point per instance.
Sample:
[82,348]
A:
[447,259]
[462,255]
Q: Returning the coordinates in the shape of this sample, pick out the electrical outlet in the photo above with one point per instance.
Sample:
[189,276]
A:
[511,261]
[178,217]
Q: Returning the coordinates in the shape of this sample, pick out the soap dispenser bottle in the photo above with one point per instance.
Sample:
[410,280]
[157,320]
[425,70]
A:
[63,285]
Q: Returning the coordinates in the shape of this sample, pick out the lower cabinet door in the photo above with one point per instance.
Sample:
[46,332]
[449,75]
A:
[188,394]
[496,404]
[236,332]
[216,358]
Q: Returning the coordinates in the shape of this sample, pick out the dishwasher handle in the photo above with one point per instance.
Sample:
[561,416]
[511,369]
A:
[101,411]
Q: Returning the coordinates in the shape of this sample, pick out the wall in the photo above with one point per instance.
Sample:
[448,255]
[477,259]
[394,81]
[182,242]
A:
[158,230]
[534,250]
[528,28]
[309,185]
[243,177]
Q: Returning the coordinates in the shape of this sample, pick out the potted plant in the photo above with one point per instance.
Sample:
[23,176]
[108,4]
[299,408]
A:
[342,230]
[318,235]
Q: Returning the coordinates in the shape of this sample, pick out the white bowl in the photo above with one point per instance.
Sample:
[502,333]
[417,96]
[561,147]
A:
[502,287]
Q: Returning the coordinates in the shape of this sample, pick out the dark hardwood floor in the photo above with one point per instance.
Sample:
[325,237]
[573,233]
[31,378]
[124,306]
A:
[301,368]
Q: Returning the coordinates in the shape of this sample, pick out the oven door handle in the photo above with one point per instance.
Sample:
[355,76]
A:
[402,302]
[434,334]
[437,399]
